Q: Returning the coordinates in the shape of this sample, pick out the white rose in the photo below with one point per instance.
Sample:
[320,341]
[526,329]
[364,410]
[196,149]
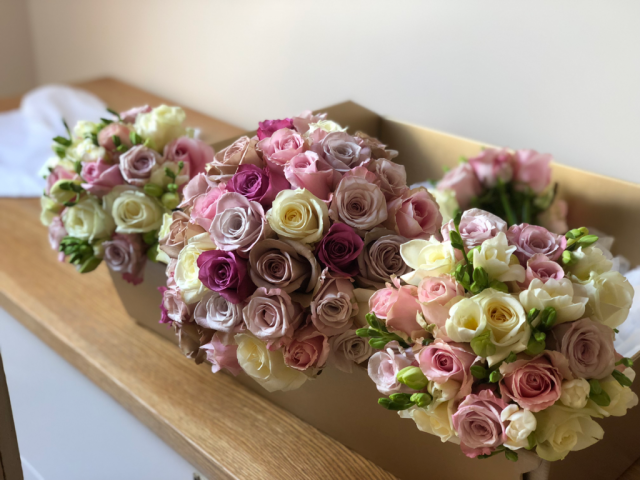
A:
[557,294]
[521,424]
[429,258]
[50,209]
[622,398]
[133,210]
[589,260]
[85,151]
[87,220]
[562,430]
[299,215]
[575,393]
[265,366]
[442,392]
[436,422]
[496,257]
[163,232]
[610,297]
[466,320]
[447,202]
[507,322]
[326,125]
[84,129]
[161,125]
[186,273]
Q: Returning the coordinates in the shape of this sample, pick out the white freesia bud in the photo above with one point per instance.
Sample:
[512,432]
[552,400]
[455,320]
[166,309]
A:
[466,320]
[447,201]
[575,393]
[496,257]
[429,258]
[554,293]
[521,424]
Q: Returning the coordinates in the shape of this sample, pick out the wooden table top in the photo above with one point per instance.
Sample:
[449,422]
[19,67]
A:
[222,428]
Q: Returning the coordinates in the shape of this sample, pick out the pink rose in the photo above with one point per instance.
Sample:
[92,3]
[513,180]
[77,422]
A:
[197,186]
[222,356]
[241,152]
[358,200]
[56,233]
[381,302]
[100,177]
[415,215]
[554,218]
[532,169]
[205,206]
[476,226]
[588,346]
[269,127]
[307,170]
[378,149]
[539,266]
[383,368]
[302,121]
[477,422]
[442,361]
[173,307]
[308,349]
[492,165]
[58,173]
[105,136]
[402,314]
[535,384]
[194,153]
[393,178]
[463,181]
[125,254]
[281,147]
[333,305]
[129,116]
[532,239]
[434,294]
[342,151]
[137,163]
[271,314]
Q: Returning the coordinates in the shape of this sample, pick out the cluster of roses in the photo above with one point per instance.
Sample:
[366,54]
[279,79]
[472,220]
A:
[515,186]
[111,182]
[280,241]
[502,338]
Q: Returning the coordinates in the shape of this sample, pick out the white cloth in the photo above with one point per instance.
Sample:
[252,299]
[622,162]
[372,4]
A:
[26,133]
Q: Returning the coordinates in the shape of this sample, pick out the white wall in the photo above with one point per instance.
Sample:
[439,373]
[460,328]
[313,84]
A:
[16,56]
[559,76]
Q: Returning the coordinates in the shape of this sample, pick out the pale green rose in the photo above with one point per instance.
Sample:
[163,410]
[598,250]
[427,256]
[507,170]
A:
[87,220]
[133,211]
[161,125]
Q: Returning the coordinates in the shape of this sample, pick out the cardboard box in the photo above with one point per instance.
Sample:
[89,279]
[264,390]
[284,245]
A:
[345,406]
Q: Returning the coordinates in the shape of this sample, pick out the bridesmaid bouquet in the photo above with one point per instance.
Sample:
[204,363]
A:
[274,251]
[502,338]
[110,184]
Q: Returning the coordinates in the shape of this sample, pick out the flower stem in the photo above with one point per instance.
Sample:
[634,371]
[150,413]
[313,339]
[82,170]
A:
[504,198]
[526,209]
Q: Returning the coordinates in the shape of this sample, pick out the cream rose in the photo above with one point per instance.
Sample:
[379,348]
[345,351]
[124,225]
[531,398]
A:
[610,298]
[588,260]
[299,215]
[557,294]
[429,258]
[466,320]
[133,211]
[161,125]
[447,201]
[520,425]
[622,398]
[575,393]
[50,210]
[324,125]
[87,220]
[186,273]
[496,257]
[165,228]
[436,421]
[265,366]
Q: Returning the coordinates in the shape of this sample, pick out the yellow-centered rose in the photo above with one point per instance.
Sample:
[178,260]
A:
[299,215]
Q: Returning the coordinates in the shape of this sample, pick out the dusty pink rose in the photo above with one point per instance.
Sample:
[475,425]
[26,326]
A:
[381,302]
[358,200]
[194,153]
[404,308]
[588,346]
[302,121]
[532,169]
[205,206]
[442,361]
[380,258]
[198,185]
[129,116]
[191,337]
[342,151]
[100,177]
[476,226]
[137,163]
[58,173]
[554,218]
[378,149]
[125,254]
[532,239]
[281,147]
[434,295]
[308,349]
[222,356]
[271,314]
[477,422]
[217,313]
[180,231]
[393,178]
[539,266]
[415,215]
[269,127]
[493,165]
[257,184]
[463,181]
[56,233]
[334,304]
[241,152]
[535,384]
[173,307]
[339,249]
[105,136]
[384,367]
[307,170]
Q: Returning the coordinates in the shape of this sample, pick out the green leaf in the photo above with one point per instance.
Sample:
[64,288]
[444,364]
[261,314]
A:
[150,237]
[622,378]
[180,166]
[587,240]
[457,219]
[511,358]
[422,400]
[373,321]
[116,140]
[499,286]
[495,377]
[378,343]
[106,121]
[532,315]
[363,332]
[390,405]
[153,190]
[511,455]
[90,265]
[61,152]
[627,362]
[65,142]
[479,372]
[66,127]
[135,138]
[535,347]
[482,345]
[114,113]
[531,439]
[169,173]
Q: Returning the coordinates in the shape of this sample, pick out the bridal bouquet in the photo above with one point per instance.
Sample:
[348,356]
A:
[501,338]
[516,186]
[269,248]
[110,184]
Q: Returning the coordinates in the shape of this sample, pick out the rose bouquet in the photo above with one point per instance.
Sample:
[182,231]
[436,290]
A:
[502,338]
[272,243]
[516,186]
[110,184]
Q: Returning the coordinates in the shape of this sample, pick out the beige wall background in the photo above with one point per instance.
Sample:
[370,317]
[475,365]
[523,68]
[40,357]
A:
[558,76]
[17,67]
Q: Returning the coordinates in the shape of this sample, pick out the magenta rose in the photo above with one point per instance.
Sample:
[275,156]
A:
[173,307]
[125,254]
[225,273]
[393,178]
[535,384]
[441,361]
[58,173]
[281,147]
[493,165]
[308,349]
[532,239]
[415,215]
[463,181]
[205,206]
[339,250]
[257,184]
[105,136]
[342,151]
[137,163]
[129,116]
[269,127]
[195,154]
[434,295]
[476,226]
[270,314]
[100,177]
[478,424]
[222,356]
[307,170]
[588,346]
[532,169]
[333,305]
[539,266]
[384,367]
